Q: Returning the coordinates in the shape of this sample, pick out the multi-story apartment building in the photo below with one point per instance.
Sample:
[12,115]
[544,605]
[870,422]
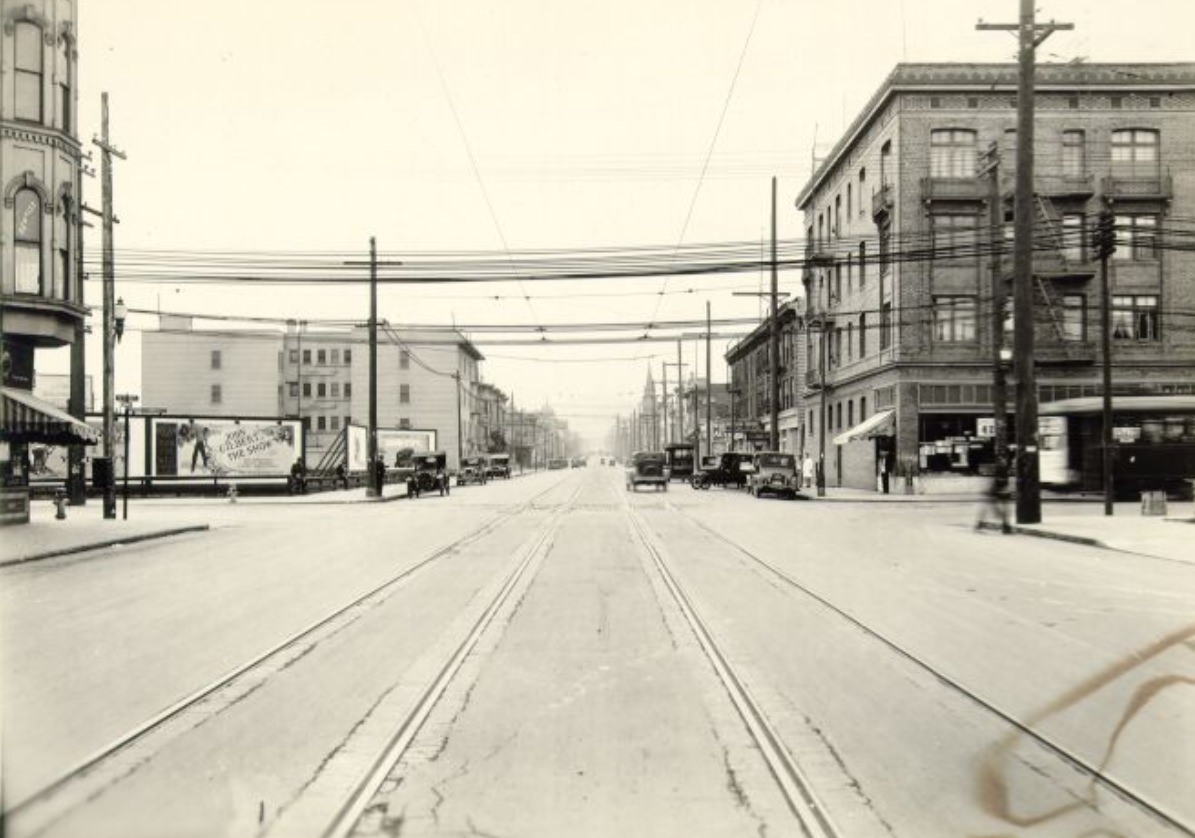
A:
[41,278]
[491,421]
[899,286]
[750,364]
[427,379]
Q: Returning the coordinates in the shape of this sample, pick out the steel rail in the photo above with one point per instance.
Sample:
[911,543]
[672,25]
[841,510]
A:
[350,812]
[794,785]
[129,738]
[1094,772]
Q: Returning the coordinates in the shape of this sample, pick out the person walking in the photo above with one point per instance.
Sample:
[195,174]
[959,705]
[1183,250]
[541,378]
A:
[807,471]
[995,501]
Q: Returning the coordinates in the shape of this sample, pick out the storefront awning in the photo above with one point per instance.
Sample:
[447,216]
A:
[879,424]
[29,419]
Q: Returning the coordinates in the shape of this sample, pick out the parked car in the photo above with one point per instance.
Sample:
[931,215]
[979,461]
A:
[680,460]
[473,470]
[430,474]
[557,464]
[775,474]
[731,469]
[648,468]
[499,466]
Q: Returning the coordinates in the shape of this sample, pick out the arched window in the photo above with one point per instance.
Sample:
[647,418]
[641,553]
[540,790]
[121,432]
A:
[952,153]
[1135,153]
[27,236]
[29,68]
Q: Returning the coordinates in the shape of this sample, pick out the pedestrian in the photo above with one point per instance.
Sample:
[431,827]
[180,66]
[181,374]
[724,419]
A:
[807,471]
[996,498]
[298,477]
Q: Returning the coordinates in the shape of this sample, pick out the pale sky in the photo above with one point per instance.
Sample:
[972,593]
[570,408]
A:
[296,125]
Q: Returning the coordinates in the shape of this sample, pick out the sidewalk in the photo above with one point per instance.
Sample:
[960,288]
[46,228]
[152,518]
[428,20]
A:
[85,528]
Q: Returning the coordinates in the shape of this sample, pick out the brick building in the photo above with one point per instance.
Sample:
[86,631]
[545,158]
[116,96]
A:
[900,270]
[750,365]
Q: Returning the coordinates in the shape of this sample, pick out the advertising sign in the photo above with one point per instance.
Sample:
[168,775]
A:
[391,441]
[220,447]
[49,462]
[357,447]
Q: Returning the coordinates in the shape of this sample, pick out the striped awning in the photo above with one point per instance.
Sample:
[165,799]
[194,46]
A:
[29,419]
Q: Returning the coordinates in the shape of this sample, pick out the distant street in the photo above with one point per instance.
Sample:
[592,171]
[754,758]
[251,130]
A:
[552,655]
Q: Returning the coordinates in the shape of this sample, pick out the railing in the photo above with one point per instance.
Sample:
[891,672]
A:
[883,200]
[1160,187]
[953,189]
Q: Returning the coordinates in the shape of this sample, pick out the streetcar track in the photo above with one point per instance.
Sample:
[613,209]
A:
[1094,772]
[27,806]
[358,801]
[795,787]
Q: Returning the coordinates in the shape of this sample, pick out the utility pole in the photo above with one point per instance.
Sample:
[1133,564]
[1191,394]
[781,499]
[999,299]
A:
[1105,241]
[108,308]
[680,395]
[664,418]
[375,476]
[1030,36]
[991,168]
[76,484]
[709,387]
[774,344]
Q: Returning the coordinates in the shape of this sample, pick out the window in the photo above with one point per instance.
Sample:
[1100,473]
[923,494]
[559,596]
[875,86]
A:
[838,415]
[1135,317]
[885,325]
[404,360]
[862,264]
[28,66]
[862,183]
[336,389]
[27,217]
[1074,238]
[863,335]
[837,215]
[404,424]
[954,319]
[306,389]
[952,153]
[334,423]
[306,420]
[1135,153]
[862,408]
[849,202]
[1136,237]
[837,358]
[307,357]
[1074,154]
[293,389]
[850,413]
[321,389]
[215,359]
[321,357]
[885,231]
[321,423]
[294,356]
[348,388]
[348,356]
[1074,317]
[850,339]
[850,271]
[217,394]
[953,236]
[404,394]
[64,87]
[335,356]
[885,173]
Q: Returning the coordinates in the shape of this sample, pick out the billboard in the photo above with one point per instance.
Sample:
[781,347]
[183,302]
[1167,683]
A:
[49,462]
[356,447]
[392,440]
[223,447]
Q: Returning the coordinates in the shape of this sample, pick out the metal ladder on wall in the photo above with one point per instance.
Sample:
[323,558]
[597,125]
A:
[1052,226]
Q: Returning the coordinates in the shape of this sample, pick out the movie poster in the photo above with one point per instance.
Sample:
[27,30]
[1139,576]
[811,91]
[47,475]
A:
[216,447]
[391,441]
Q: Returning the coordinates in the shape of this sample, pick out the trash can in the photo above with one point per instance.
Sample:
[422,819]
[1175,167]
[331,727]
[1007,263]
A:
[1153,503]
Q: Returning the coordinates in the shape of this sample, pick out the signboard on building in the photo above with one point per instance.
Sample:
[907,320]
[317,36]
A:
[985,428]
[356,453]
[48,463]
[220,447]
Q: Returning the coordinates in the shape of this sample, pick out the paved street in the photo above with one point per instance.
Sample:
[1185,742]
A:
[533,657]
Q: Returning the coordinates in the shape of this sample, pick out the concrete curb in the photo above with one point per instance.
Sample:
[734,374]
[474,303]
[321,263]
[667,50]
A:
[100,545]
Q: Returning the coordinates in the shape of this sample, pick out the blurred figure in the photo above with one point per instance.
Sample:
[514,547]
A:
[995,502]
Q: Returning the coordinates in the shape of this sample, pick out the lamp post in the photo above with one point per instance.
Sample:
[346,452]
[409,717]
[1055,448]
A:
[128,400]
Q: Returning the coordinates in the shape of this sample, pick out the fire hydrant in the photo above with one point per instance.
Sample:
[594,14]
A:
[60,504]
[232,493]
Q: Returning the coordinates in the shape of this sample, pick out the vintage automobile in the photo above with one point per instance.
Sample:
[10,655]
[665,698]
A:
[430,474]
[557,463]
[473,470]
[732,469]
[680,460]
[775,474]
[499,466]
[647,468]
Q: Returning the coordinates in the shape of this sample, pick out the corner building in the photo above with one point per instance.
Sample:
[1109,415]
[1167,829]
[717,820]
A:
[41,288]
[900,267]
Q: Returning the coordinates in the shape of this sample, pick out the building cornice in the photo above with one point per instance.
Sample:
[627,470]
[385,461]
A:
[42,136]
[1049,78]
